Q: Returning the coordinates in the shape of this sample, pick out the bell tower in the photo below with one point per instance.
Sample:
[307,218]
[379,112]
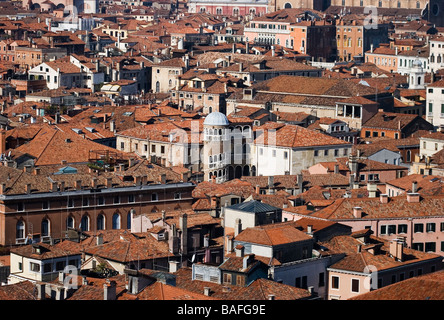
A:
[434,12]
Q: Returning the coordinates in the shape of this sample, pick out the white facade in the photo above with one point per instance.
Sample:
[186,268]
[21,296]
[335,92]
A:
[428,147]
[435,105]
[436,56]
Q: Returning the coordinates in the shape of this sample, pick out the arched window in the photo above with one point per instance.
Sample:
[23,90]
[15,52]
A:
[20,230]
[399,4]
[128,219]
[69,222]
[84,223]
[116,221]
[380,3]
[100,222]
[157,86]
[418,5]
[409,156]
[45,228]
[287,5]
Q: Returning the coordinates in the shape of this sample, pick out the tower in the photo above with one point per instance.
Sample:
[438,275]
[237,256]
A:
[216,149]
[417,75]
[434,12]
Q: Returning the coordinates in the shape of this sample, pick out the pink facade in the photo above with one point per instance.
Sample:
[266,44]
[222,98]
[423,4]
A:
[231,9]
[268,32]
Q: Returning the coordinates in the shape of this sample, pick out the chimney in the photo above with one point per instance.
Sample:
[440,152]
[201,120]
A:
[137,180]
[112,125]
[359,248]
[413,197]
[62,186]
[2,188]
[78,184]
[109,182]
[54,186]
[271,297]
[173,266]
[310,229]
[372,189]
[64,162]
[27,168]
[240,251]
[336,169]
[183,225]
[28,188]
[99,240]
[213,201]
[414,187]
[94,183]
[258,189]
[2,142]
[41,291]
[273,51]
[162,178]
[357,212]
[207,291]
[109,290]
[383,198]
[270,182]
[237,227]
[397,249]
[36,171]
[241,66]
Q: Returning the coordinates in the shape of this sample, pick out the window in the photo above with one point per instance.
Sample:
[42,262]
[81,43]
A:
[20,206]
[84,223]
[430,247]
[60,265]
[383,229]
[100,222]
[285,155]
[35,267]
[321,282]
[316,153]
[391,229]
[227,278]
[402,228]
[116,221]
[122,145]
[69,222]
[177,196]
[326,152]
[47,268]
[20,230]
[116,199]
[45,228]
[335,282]
[418,227]
[70,203]
[101,201]
[154,197]
[131,198]
[162,149]
[153,148]
[355,285]
[273,153]
[85,202]
[418,246]
[430,227]
[393,278]
[240,280]
[442,246]
[442,226]
[45,205]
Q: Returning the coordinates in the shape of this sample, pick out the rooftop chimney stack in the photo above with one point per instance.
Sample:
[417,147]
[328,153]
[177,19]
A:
[414,186]
[383,198]
[357,212]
